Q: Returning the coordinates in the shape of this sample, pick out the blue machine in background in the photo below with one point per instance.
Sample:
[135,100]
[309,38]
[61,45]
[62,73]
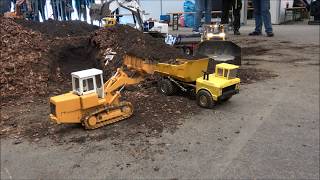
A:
[189,6]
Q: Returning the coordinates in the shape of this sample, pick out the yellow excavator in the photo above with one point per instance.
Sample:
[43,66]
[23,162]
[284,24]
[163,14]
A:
[92,103]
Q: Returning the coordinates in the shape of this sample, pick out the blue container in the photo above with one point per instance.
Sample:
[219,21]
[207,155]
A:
[165,18]
[189,6]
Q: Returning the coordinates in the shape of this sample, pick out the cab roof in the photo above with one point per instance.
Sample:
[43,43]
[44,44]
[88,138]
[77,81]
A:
[227,66]
[87,73]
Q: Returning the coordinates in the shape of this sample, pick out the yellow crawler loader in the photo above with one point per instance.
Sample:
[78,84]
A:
[92,103]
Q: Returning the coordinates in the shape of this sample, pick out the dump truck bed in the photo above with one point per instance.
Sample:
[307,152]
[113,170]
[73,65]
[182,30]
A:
[186,70]
[183,70]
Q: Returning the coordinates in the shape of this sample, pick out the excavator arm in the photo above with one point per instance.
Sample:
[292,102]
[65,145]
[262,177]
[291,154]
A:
[109,8]
[117,81]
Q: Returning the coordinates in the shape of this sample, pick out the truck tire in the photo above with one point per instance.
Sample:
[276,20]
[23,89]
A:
[204,99]
[188,51]
[167,87]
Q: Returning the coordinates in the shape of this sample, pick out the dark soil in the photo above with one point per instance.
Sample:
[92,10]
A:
[154,113]
[127,40]
[66,56]
[54,28]
[23,70]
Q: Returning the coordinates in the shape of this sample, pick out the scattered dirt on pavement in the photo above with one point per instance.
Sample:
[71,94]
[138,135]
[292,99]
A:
[251,75]
[258,50]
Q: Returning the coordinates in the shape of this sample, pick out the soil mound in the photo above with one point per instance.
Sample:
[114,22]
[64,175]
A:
[123,39]
[54,28]
[23,71]
[127,40]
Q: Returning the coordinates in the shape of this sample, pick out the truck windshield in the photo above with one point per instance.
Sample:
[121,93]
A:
[233,73]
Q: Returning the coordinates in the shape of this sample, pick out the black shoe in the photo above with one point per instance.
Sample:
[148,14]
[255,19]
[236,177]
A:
[270,34]
[236,33]
[255,33]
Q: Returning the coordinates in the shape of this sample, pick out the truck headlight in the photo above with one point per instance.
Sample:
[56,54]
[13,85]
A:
[222,35]
[237,86]
[210,35]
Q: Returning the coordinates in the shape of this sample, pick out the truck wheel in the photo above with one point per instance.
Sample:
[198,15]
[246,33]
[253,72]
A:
[167,87]
[204,99]
[188,51]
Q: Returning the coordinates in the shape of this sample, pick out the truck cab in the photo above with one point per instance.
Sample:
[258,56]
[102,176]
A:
[219,86]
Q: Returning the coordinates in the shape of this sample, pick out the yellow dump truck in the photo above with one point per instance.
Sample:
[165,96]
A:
[191,76]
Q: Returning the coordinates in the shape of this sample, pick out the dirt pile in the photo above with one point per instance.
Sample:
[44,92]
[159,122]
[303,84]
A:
[54,28]
[23,71]
[127,40]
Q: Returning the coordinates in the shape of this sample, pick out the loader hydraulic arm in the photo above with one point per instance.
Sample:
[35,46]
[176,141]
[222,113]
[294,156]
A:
[119,80]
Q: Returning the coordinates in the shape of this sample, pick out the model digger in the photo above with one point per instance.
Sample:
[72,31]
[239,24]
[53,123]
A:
[92,103]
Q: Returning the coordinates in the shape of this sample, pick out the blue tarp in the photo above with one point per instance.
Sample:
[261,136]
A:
[189,6]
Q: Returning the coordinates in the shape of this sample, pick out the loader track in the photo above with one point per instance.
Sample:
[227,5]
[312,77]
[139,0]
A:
[85,119]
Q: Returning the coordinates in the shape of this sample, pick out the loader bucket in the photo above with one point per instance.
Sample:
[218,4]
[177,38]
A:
[220,51]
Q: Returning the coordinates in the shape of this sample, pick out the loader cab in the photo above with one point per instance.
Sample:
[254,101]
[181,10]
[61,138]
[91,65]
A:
[87,82]
[226,71]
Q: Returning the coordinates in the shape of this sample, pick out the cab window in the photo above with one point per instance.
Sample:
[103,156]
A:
[233,73]
[88,85]
[76,84]
[98,81]
[220,72]
[225,73]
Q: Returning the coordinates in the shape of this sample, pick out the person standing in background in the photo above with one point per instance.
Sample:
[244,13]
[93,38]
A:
[262,15]
[236,9]
[5,6]
[202,5]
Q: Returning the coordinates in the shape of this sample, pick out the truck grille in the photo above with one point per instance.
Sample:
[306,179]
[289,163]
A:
[229,88]
[53,109]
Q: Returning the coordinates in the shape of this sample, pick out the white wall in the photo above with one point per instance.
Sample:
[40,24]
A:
[277,10]
[153,7]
